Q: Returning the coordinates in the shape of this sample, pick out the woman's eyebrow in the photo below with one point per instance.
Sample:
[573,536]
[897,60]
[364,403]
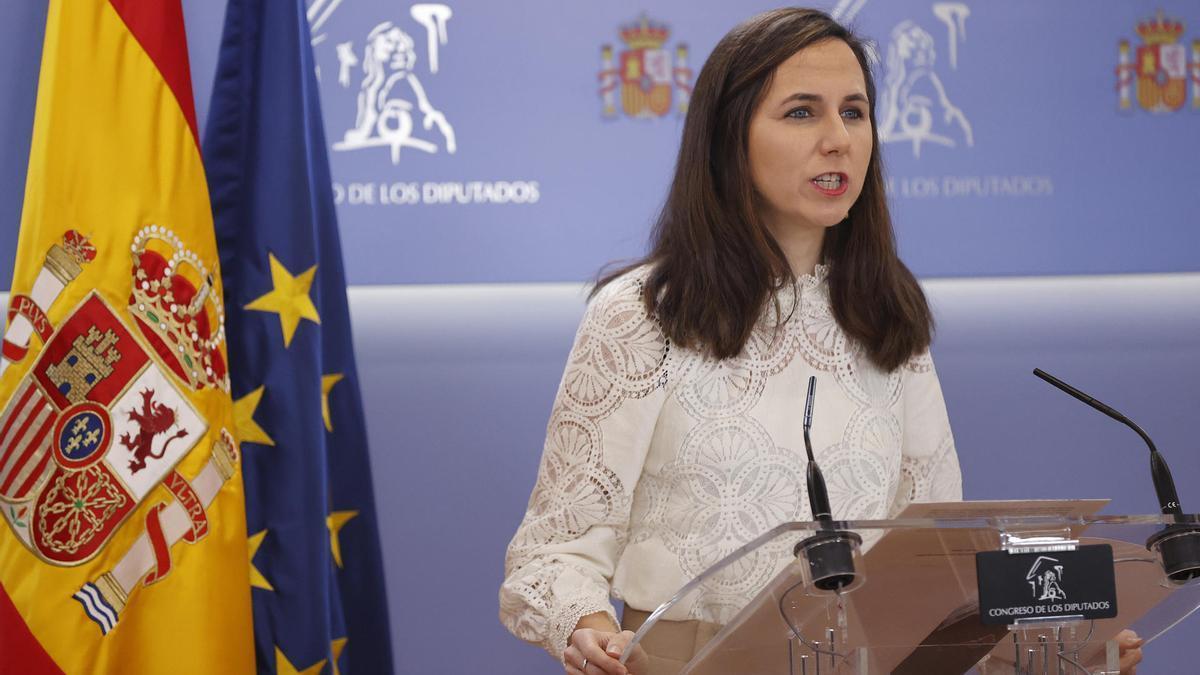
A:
[817,98]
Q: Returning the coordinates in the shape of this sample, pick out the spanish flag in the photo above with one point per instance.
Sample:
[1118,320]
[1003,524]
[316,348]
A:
[123,547]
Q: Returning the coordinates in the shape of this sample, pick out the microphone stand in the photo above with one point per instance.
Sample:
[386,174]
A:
[1178,544]
[830,551]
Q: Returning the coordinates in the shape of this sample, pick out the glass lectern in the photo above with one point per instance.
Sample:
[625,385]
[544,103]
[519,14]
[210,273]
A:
[912,604]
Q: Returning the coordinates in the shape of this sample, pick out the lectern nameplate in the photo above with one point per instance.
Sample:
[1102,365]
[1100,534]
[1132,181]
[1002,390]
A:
[1071,585]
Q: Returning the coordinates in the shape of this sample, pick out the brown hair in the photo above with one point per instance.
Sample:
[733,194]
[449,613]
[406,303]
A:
[713,263]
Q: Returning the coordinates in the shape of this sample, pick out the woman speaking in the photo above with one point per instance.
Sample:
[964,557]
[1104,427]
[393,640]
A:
[675,435]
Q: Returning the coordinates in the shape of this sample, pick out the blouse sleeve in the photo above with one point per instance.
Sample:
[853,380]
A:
[561,561]
[929,470]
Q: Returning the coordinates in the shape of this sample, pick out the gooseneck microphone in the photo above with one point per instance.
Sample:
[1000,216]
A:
[1178,544]
[818,495]
[1164,484]
[829,552]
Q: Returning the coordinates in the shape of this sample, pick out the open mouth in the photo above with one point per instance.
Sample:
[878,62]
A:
[832,184]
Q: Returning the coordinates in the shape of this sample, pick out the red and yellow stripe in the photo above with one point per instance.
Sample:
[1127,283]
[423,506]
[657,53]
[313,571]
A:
[115,148]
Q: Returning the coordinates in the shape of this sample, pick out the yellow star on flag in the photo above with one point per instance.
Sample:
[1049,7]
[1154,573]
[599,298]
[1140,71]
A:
[257,580]
[327,382]
[243,419]
[336,647]
[289,298]
[335,522]
[285,667]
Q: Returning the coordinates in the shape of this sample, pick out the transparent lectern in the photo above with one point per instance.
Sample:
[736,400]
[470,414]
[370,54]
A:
[913,606]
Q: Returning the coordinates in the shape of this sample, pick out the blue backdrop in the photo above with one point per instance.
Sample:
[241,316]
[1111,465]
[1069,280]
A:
[1010,154]
[469,140]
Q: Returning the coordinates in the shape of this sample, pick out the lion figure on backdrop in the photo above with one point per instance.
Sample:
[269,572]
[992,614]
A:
[387,94]
[914,103]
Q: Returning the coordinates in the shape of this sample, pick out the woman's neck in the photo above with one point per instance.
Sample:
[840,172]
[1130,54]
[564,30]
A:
[801,246]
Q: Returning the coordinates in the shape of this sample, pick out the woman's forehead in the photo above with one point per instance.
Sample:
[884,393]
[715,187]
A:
[828,68]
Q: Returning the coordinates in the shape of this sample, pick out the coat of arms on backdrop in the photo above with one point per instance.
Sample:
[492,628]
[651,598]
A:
[1159,71]
[646,73]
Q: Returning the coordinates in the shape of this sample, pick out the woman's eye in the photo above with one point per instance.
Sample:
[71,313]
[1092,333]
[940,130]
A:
[799,113]
[853,113]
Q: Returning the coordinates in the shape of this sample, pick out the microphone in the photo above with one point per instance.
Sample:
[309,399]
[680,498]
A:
[1164,484]
[829,552]
[818,495]
[1177,545]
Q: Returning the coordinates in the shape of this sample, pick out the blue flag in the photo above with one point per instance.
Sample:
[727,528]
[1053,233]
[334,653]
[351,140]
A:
[315,563]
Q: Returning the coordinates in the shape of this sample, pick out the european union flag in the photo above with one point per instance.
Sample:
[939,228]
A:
[319,601]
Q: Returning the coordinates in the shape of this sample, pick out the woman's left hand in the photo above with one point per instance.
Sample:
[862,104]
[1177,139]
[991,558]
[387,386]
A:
[1131,651]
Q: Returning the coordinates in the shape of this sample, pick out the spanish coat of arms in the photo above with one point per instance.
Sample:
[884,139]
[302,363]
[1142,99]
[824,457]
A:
[103,416]
[648,76]
[1158,73]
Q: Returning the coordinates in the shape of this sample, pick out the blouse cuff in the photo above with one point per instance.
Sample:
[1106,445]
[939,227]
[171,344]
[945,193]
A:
[568,618]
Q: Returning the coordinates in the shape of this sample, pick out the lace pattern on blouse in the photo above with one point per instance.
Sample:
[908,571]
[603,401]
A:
[725,479]
[619,354]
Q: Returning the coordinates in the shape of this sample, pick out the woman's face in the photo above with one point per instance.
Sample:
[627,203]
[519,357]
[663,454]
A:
[810,138]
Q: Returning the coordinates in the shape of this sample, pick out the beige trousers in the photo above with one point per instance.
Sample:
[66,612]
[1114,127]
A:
[671,644]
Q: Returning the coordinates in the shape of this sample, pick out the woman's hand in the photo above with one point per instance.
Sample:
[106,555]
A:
[596,646]
[1131,651]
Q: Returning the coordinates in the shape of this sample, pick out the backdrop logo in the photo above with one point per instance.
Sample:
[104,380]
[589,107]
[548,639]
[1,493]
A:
[1044,577]
[647,77]
[395,73]
[393,108]
[1160,71]
[915,106]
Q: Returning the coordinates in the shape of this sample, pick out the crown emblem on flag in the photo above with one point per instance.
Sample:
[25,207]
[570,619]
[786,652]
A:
[177,309]
[644,34]
[66,260]
[79,247]
[1160,31]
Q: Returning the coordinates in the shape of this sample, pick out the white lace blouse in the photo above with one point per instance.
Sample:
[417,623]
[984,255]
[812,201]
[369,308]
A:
[659,461]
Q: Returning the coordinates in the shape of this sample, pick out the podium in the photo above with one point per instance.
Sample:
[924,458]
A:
[1053,598]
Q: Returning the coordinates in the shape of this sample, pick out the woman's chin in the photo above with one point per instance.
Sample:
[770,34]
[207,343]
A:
[825,218]
[828,220]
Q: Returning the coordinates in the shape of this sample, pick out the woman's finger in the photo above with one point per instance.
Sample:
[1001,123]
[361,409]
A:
[598,661]
[1129,660]
[619,643]
[573,659]
[1128,639]
[589,643]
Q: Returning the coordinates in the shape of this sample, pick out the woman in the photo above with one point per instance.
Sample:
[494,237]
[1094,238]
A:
[675,436]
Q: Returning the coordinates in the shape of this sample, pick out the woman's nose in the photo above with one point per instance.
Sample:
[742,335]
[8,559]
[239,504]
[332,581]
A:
[835,138]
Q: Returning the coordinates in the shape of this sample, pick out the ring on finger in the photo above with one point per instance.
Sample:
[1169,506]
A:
[583,666]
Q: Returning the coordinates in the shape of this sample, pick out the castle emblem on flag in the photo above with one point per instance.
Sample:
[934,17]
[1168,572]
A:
[647,75]
[1159,72]
[27,313]
[104,416]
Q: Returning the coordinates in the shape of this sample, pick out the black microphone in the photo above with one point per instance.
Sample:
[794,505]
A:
[1164,484]
[829,552]
[1177,545]
[818,495]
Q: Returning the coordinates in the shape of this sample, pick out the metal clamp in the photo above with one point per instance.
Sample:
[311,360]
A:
[1015,543]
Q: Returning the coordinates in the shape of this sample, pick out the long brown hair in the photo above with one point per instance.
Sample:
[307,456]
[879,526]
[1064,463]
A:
[713,262]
